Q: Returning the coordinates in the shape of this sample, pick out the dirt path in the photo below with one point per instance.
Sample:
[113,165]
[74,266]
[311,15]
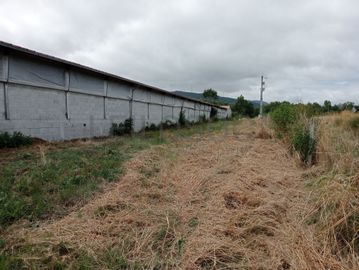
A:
[227,200]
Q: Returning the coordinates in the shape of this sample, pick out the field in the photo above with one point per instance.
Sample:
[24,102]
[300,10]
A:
[223,195]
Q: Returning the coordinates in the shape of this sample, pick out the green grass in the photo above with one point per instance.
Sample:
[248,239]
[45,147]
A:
[34,184]
[38,184]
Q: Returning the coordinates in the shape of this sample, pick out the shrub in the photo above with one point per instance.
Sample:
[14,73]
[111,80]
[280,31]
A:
[16,139]
[128,125]
[283,117]
[303,142]
[182,118]
[168,124]
[354,123]
[151,127]
[118,129]
[122,128]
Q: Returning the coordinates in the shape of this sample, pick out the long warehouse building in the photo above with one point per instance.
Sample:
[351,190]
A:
[54,99]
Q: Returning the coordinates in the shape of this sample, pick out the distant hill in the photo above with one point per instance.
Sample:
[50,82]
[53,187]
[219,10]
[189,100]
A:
[224,100]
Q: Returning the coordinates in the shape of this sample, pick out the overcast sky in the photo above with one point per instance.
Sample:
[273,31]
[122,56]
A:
[307,49]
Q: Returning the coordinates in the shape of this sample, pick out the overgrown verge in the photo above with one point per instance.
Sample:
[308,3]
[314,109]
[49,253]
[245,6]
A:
[336,190]
[334,147]
[294,124]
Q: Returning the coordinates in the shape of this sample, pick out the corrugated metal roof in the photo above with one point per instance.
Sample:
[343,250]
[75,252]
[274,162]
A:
[8,46]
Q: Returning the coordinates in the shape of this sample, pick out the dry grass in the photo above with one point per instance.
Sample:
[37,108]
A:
[336,212]
[234,199]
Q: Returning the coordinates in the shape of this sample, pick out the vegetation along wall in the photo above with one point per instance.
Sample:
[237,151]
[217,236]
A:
[53,99]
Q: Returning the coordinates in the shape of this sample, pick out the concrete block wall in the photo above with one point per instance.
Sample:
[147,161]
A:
[83,106]
[53,101]
[155,114]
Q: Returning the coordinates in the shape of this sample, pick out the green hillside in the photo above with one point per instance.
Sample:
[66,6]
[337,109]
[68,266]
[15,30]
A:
[223,100]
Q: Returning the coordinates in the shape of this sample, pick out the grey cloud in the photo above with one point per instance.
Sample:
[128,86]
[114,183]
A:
[309,50]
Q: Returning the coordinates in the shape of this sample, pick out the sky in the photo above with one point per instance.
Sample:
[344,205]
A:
[308,50]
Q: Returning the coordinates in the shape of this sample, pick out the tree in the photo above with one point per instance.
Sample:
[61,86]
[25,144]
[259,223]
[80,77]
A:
[327,106]
[348,106]
[244,107]
[271,106]
[210,94]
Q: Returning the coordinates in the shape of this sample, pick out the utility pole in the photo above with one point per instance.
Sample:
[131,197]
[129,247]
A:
[261,97]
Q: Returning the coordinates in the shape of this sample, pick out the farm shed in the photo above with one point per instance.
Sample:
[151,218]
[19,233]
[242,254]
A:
[54,99]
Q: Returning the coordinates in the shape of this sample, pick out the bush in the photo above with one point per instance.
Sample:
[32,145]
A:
[128,125]
[152,127]
[182,118]
[303,143]
[291,123]
[168,124]
[118,129]
[354,123]
[16,139]
[283,117]
[122,128]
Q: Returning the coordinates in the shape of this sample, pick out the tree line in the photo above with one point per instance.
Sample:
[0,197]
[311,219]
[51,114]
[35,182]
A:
[244,107]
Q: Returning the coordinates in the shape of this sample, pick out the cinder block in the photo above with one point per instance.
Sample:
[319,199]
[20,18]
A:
[156,98]
[82,106]
[139,110]
[142,95]
[119,90]
[31,103]
[87,83]
[117,109]
[167,113]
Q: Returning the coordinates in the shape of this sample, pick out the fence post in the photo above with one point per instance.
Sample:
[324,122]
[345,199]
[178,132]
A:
[311,141]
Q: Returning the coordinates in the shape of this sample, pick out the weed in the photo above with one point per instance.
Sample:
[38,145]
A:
[9,262]
[118,129]
[193,222]
[16,139]
[152,127]
[122,128]
[303,142]
[115,260]
[182,117]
